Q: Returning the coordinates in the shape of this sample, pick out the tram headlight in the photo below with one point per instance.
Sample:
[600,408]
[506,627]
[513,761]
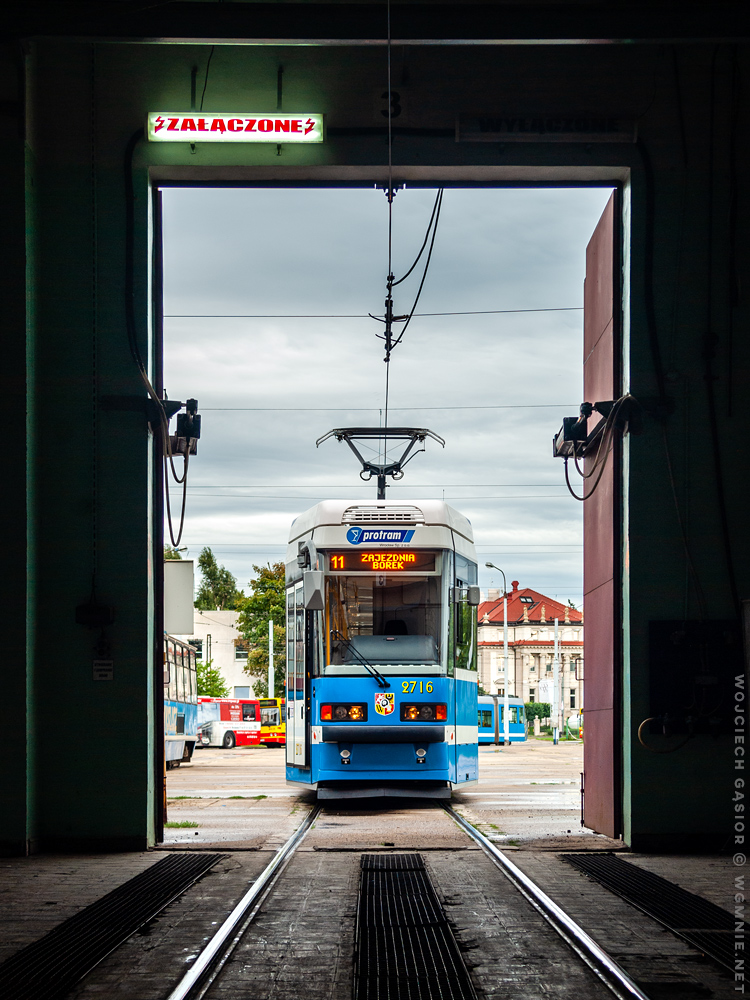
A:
[424,712]
[343,713]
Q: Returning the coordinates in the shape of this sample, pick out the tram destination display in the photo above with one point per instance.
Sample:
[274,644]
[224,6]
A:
[382,562]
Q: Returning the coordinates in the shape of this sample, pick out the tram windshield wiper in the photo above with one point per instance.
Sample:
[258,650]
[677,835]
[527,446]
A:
[350,647]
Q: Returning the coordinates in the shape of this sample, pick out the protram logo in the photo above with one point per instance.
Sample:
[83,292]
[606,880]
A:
[361,536]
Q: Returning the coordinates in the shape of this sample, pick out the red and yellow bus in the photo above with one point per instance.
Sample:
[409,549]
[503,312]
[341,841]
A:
[272,722]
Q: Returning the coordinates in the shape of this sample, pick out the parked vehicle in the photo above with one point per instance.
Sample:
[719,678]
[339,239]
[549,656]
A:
[228,722]
[492,721]
[180,700]
[272,722]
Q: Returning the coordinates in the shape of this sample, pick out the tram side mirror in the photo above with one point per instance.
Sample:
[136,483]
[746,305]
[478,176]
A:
[312,582]
[469,594]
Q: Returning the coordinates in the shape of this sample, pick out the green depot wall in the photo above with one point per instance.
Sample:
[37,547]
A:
[86,778]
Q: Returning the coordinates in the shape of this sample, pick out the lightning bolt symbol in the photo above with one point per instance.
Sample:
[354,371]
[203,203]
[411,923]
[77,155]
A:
[159,122]
[310,126]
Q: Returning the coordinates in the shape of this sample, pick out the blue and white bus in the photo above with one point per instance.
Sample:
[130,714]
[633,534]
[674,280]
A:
[381,660]
[491,719]
[180,701]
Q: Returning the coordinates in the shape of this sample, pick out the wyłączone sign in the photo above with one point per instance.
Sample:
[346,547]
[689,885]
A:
[163,126]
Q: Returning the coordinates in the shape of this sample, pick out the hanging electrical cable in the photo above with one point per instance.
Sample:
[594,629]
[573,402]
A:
[162,416]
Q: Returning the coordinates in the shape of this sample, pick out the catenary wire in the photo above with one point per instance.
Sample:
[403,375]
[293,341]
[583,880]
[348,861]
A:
[205,81]
[471,312]
[349,409]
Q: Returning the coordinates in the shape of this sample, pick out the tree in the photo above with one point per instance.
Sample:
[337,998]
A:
[536,710]
[170,553]
[265,603]
[210,681]
[218,590]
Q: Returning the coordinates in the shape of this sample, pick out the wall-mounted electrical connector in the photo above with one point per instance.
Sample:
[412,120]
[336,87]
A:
[573,440]
[188,430]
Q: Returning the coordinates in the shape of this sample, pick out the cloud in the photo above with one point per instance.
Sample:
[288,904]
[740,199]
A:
[268,388]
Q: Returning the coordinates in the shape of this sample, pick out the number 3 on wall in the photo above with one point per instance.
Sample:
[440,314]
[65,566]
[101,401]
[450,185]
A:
[395,104]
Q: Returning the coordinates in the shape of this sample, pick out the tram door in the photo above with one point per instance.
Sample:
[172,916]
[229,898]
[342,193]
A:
[295,677]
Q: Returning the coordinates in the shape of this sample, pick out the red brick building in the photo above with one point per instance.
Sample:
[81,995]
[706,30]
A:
[531,629]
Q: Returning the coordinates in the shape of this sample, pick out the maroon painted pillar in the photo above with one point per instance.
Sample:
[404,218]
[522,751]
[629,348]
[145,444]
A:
[601,530]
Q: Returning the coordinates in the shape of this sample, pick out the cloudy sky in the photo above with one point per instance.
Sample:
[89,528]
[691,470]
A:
[496,387]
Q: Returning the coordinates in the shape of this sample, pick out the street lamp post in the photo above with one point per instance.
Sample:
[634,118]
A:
[506,709]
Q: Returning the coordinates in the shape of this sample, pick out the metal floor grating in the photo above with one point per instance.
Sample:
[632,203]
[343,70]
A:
[698,921]
[48,968]
[405,948]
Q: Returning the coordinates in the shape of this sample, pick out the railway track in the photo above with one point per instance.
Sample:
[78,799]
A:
[404,946]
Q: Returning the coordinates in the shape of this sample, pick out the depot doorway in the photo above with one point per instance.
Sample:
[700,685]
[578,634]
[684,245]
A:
[266,295]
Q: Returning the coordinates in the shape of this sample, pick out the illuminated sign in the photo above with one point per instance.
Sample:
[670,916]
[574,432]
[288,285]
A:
[382,562]
[167,126]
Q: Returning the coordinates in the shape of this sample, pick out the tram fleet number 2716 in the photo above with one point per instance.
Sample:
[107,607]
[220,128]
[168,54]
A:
[381,653]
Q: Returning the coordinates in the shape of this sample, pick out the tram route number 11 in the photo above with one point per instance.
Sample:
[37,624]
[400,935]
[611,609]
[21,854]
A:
[409,686]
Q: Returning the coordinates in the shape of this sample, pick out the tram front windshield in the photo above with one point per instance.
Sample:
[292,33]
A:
[387,618]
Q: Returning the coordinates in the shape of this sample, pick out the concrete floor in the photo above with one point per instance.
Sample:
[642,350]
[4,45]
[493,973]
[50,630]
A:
[301,942]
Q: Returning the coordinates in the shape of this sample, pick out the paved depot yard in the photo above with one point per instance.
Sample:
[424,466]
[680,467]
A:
[528,795]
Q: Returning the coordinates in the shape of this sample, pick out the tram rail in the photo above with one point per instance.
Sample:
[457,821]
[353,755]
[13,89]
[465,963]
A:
[208,966]
[603,965]
[198,979]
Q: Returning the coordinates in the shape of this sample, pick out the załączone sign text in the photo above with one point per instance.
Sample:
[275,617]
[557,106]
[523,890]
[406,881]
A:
[163,126]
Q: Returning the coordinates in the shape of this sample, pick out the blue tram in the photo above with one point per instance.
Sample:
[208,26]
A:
[491,719]
[381,650]
[180,701]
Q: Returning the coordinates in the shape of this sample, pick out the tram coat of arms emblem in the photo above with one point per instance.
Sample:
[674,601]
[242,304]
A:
[385,702]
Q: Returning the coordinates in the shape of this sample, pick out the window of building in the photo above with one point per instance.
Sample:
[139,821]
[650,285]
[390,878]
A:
[532,668]
[242,692]
[197,645]
[572,699]
[526,600]
[549,666]
[240,653]
[532,694]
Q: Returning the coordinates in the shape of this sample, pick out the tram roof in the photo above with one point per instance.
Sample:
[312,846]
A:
[435,513]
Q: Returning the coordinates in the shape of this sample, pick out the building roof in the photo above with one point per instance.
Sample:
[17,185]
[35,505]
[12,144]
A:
[539,609]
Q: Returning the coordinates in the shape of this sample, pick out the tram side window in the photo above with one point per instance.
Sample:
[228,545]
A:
[299,669]
[512,713]
[464,615]
[186,683]
[180,678]
[485,718]
[290,643]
